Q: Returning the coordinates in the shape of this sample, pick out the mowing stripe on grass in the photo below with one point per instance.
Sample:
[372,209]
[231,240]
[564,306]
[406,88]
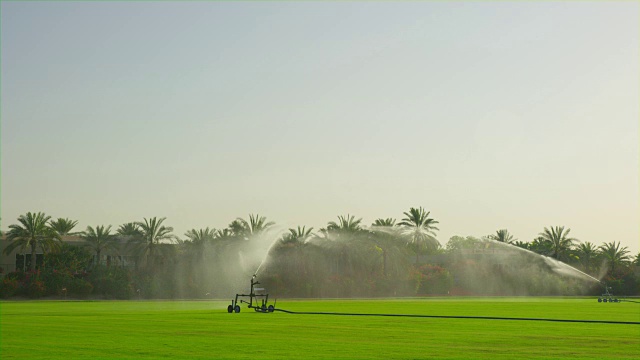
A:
[463,317]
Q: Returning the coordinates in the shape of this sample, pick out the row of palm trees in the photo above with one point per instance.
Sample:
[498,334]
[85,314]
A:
[38,231]
[150,239]
[146,238]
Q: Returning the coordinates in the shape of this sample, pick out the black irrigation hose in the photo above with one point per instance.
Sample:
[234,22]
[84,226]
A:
[463,317]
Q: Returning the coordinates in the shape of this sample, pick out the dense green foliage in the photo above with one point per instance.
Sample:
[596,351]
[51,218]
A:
[64,273]
[204,330]
[344,259]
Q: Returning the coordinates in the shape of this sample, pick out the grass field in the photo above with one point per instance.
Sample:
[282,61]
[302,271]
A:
[204,330]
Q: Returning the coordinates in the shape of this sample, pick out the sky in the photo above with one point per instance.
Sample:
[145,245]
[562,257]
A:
[490,115]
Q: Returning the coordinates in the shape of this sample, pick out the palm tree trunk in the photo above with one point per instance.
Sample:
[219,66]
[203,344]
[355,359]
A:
[33,257]
[150,259]
[98,257]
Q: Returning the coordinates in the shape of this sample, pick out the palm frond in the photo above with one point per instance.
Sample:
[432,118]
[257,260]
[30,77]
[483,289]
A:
[63,226]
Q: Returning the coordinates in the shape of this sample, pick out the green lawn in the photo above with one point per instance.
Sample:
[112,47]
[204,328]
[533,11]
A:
[203,329]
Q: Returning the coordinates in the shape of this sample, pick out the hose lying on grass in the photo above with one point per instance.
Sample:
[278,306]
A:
[464,317]
[637,302]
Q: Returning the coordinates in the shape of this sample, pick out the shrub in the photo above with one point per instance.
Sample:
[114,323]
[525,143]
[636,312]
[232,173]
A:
[16,275]
[431,280]
[17,278]
[79,287]
[31,283]
[111,282]
[55,280]
[36,288]
[8,287]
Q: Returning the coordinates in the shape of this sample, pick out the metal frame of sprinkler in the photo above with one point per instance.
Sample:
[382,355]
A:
[607,296]
[263,307]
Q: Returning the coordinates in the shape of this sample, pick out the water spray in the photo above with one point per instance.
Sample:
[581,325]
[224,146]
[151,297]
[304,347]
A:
[266,256]
[562,269]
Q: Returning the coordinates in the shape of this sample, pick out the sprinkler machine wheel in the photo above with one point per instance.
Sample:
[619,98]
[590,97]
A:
[263,307]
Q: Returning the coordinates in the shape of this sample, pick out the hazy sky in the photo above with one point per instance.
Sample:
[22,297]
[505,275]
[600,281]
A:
[489,114]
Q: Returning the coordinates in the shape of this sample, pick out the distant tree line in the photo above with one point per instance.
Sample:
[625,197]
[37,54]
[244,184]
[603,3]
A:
[343,259]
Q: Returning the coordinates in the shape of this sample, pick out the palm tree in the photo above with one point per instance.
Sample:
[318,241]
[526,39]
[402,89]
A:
[222,238]
[236,228]
[420,228]
[243,229]
[256,225]
[541,246]
[130,234]
[503,236]
[223,233]
[614,254]
[389,222]
[344,242]
[296,236]
[200,236]
[197,239]
[130,230]
[587,253]
[386,235]
[63,226]
[560,241]
[636,262]
[99,239]
[195,252]
[33,232]
[153,234]
[291,247]
[345,224]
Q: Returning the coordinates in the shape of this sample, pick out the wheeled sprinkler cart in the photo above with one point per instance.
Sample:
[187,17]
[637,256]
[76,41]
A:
[253,300]
[607,296]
